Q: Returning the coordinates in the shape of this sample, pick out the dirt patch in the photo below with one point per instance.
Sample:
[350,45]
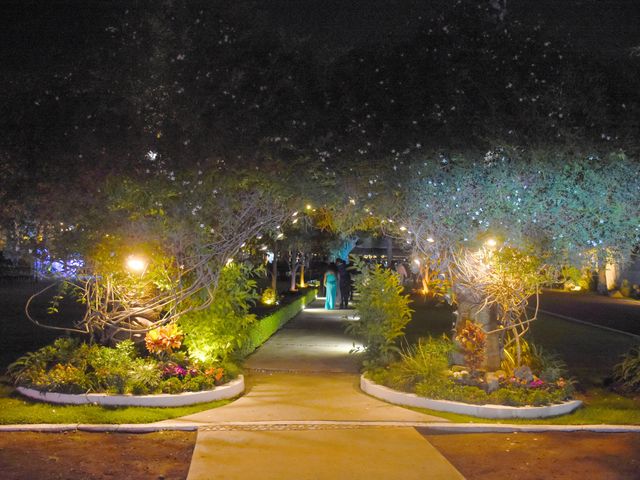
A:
[529,456]
[95,456]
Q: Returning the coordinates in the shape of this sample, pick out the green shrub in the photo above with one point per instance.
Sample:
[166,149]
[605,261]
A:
[384,313]
[627,372]
[111,367]
[144,377]
[264,328]
[428,360]
[172,385]
[220,331]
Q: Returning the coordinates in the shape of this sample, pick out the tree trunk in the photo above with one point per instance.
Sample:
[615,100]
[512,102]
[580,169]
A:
[274,270]
[302,284]
[602,280]
[389,251]
[470,308]
[293,270]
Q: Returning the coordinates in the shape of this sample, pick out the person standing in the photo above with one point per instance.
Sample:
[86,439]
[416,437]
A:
[402,273]
[331,287]
[344,278]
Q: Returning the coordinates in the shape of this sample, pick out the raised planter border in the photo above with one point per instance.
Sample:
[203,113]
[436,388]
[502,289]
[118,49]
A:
[265,327]
[223,392]
[482,411]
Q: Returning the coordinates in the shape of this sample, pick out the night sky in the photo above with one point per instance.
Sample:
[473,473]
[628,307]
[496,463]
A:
[30,29]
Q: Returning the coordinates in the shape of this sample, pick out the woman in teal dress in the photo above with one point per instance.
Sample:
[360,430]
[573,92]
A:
[331,286]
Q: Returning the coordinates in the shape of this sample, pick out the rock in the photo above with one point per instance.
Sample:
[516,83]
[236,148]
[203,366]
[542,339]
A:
[492,380]
[459,368]
[523,373]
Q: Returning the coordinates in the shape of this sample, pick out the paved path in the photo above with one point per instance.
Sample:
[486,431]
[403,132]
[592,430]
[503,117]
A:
[314,341]
[618,313]
[305,380]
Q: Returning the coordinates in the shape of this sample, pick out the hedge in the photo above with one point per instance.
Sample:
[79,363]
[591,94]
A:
[267,326]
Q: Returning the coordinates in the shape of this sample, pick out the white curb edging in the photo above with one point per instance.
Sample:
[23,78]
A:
[223,392]
[482,411]
[447,427]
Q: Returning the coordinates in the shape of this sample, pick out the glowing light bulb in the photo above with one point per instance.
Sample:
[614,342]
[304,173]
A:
[136,264]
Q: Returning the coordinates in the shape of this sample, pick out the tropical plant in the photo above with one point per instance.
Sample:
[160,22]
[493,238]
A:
[472,340]
[220,331]
[383,311]
[269,296]
[164,339]
[428,360]
[627,372]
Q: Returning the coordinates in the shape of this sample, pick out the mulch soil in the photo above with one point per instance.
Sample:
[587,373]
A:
[95,456]
[529,456]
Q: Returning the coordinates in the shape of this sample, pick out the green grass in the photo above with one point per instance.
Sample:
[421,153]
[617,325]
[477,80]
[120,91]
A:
[15,409]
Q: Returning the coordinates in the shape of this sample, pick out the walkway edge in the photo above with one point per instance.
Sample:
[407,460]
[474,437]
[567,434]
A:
[431,426]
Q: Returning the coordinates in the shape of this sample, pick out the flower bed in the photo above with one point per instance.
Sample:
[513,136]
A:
[222,392]
[423,374]
[482,411]
[70,367]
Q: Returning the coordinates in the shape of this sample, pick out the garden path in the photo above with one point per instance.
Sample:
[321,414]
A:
[304,416]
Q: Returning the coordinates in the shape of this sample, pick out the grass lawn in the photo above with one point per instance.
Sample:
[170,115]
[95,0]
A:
[590,354]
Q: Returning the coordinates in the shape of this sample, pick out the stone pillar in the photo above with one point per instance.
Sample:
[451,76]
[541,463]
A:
[470,308]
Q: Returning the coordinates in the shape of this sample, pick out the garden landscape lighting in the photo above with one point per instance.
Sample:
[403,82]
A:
[136,264]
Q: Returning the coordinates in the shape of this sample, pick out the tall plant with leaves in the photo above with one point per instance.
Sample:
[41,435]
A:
[220,331]
[384,313]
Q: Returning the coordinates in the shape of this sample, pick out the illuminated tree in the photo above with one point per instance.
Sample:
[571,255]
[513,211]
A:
[499,228]
[162,244]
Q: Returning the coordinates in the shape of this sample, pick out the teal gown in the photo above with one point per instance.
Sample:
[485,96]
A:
[332,290]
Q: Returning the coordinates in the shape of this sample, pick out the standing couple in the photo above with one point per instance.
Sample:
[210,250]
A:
[337,276]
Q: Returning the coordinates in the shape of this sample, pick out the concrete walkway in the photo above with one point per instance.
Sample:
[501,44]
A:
[306,374]
[314,341]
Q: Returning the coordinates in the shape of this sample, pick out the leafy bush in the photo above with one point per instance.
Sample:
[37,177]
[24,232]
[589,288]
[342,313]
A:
[426,361]
[384,313]
[261,330]
[269,296]
[217,333]
[627,372]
